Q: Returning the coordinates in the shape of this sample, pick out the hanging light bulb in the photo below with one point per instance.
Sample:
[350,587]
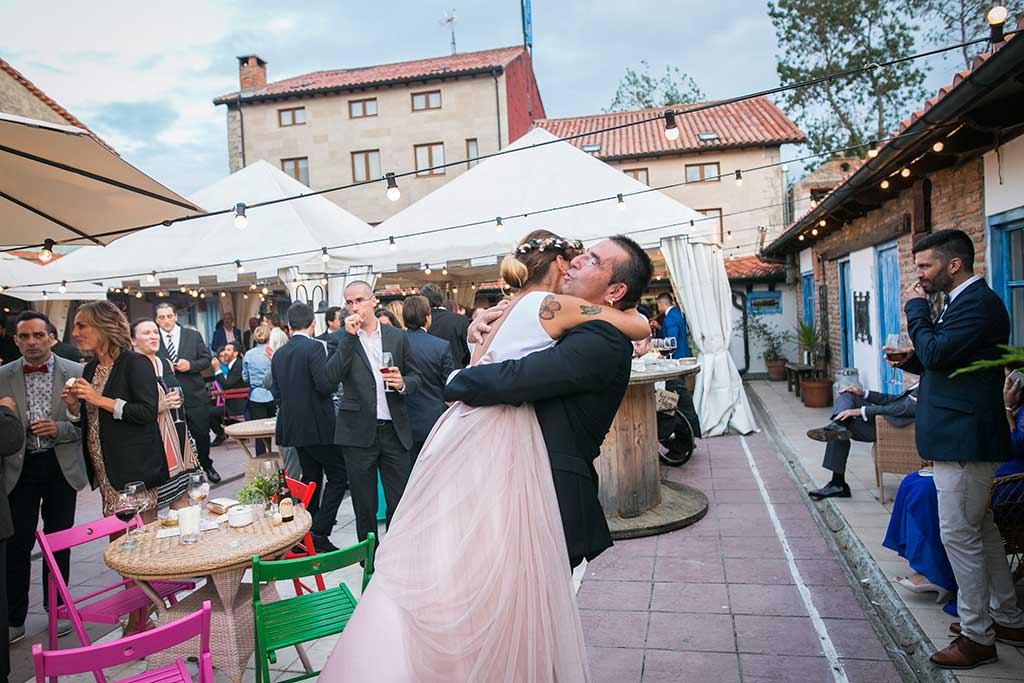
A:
[181,289]
[118,290]
[938,146]
[264,291]
[884,184]
[621,204]
[822,222]
[223,294]
[872,153]
[996,20]
[671,129]
[323,280]
[245,296]
[392,245]
[45,297]
[238,267]
[814,232]
[252,287]
[444,270]
[905,173]
[324,256]
[801,238]
[393,193]
[427,271]
[498,227]
[63,286]
[46,253]
[138,295]
[127,289]
[739,178]
[240,220]
[473,287]
[151,278]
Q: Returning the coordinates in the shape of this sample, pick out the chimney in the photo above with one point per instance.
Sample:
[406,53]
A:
[252,73]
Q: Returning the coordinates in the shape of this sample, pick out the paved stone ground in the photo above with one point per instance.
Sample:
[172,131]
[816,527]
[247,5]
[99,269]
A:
[869,516]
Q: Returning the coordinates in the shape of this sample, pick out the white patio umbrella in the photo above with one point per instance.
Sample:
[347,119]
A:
[60,183]
[702,287]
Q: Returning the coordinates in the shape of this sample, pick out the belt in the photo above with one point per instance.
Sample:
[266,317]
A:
[383,423]
[41,451]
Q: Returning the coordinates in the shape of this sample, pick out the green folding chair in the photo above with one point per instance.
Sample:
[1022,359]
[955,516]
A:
[293,621]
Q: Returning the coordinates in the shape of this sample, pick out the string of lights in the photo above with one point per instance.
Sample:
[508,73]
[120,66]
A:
[997,34]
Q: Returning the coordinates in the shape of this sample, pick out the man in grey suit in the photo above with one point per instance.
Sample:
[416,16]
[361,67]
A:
[46,474]
[854,418]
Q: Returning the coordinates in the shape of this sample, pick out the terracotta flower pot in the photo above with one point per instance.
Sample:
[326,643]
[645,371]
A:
[816,393]
[776,368]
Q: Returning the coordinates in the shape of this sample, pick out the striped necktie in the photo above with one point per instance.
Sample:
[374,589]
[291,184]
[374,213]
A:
[171,351]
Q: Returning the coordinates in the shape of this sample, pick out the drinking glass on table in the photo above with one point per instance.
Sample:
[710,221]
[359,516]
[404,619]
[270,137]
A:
[668,347]
[198,488]
[386,362]
[125,510]
[896,350]
[176,398]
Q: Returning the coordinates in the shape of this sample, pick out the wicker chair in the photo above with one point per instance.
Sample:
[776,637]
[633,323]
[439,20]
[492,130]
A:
[894,451]
[1008,514]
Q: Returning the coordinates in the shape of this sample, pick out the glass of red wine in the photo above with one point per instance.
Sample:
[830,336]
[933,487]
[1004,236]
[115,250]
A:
[125,510]
[386,362]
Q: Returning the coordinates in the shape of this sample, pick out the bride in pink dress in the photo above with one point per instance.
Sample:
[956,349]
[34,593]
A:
[472,581]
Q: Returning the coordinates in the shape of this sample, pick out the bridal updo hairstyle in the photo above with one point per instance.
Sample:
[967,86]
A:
[528,263]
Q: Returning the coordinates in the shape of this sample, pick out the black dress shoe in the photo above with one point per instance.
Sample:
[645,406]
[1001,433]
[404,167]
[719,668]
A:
[831,491]
[212,474]
[217,440]
[830,432]
[323,544]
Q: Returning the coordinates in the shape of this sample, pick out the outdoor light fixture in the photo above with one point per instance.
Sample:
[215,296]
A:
[691,222]
[621,204]
[223,294]
[46,253]
[323,280]
[884,184]
[739,178]
[814,232]
[394,194]
[138,295]
[392,245]
[905,173]
[238,267]
[45,297]
[63,286]
[455,290]
[938,146]
[252,287]
[671,129]
[444,270]
[728,235]
[240,220]
[473,287]
[181,289]
[427,271]
[801,238]
[996,20]
[151,277]
[245,296]
[872,153]
[498,227]
[324,256]
[264,291]
[822,223]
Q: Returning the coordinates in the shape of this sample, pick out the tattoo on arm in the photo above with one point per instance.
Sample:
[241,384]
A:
[590,310]
[549,307]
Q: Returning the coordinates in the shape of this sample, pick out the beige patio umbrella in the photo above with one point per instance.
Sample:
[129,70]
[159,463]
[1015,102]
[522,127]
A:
[60,183]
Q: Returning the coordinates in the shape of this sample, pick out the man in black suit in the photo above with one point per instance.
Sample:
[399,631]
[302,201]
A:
[63,349]
[305,419]
[576,386]
[12,437]
[332,319]
[227,373]
[434,362]
[447,325]
[853,417]
[372,426]
[961,427]
[189,356]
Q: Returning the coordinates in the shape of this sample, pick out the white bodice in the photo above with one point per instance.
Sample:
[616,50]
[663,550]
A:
[521,333]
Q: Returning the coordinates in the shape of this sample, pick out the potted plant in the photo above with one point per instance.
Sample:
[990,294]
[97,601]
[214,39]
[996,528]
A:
[258,493]
[816,392]
[772,341]
[808,338]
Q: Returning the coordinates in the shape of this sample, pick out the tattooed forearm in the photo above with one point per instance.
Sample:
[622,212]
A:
[590,310]
[549,307]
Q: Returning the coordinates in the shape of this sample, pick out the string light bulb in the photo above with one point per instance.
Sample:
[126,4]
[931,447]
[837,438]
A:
[238,266]
[241,222]
[265,291]
[498,226]
[872,153]
[138,295]
[392,245]
[938,146]
[728,235]
[45,297]
[46,253]
[884,184]
[822,222]
[621,203]
[324,256]
[739,178]
[151,278]
[323,280]
[801,238]
[996,21]
[63,286]
[393,193]
[444,270]
[814,232]
[671,129]
[223,294]
[181,289]
[427,270]
[473,287]
[905,173]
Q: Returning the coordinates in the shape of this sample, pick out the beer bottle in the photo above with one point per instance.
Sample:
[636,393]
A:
[285,505]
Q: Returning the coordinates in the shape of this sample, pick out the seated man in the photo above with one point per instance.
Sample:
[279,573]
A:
[854,418]
[227,372]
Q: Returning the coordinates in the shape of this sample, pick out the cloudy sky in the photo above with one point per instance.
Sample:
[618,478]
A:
[143,74]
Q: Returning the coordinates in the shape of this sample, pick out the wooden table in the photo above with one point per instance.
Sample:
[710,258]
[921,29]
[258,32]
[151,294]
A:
[636,501]
[264,428]
[222,555]
[796,372]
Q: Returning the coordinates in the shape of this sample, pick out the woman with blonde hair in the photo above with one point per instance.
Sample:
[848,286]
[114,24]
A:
[255,366]
[396,309]
[118,402]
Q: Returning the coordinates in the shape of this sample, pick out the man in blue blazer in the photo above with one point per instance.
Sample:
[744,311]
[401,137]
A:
[674,325]
[434,361]
[961,427]
[305,419]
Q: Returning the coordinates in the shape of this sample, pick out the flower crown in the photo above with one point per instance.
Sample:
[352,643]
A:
[549,243]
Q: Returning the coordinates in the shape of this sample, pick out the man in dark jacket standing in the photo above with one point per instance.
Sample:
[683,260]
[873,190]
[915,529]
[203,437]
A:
[961,427]
[434,361]
[12,436]
[445,324]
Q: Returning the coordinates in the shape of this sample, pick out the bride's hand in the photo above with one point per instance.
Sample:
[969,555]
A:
[482,321]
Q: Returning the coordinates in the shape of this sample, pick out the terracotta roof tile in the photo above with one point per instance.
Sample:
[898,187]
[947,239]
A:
[339,79]
[748,123]
[752,268]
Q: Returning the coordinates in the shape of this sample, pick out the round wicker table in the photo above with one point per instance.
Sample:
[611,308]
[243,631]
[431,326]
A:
[241,432]
[222,556]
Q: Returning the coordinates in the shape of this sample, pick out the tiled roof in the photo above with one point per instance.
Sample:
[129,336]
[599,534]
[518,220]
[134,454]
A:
[340,79]
[753,268]
[750,123]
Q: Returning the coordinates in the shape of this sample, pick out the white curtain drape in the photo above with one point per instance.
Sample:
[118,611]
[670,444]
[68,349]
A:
[702,288]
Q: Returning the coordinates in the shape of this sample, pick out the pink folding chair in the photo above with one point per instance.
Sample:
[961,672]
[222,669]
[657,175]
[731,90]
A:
[93,608]
[96,657]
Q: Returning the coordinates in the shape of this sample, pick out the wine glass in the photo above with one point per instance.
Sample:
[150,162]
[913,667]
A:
[198,488]
[137,490]
[386,362]
[125,510]
[896,351]
[669,347]
[177,391]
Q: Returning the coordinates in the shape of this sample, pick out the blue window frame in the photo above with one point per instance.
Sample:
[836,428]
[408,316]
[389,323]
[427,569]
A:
[1006,235]
[807,292]
[889,311]
[845,313]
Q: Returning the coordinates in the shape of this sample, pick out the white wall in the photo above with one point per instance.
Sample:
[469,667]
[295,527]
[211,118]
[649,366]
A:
[1009,163]
[806,261]
[864,278]
[785,322]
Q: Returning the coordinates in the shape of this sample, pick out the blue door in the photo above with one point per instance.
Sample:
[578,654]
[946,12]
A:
[845,314]
[807,289]
[1007,240]
[888,312]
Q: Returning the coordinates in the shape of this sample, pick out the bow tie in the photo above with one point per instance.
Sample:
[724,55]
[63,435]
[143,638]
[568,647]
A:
[29,369]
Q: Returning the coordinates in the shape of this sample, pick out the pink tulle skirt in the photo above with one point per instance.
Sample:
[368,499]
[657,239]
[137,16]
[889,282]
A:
[472,581]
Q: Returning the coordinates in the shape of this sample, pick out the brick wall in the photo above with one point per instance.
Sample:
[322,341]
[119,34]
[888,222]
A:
[522,97]
[957,202]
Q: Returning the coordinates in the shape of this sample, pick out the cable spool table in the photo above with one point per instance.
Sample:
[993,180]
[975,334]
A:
[636,501]
[222,555]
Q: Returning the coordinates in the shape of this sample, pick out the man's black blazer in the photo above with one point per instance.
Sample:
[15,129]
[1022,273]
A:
[434,362]
[453,328]
[960,418]
[233,380]
[331,341]
[192,348]
[576,388]
[12,436]
[305,416]
[357,411]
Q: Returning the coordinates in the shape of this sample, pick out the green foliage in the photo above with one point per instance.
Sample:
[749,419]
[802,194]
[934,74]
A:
[820,37]
[638,89]
[1013,356]
[259,489]
[772,338]
[808,337]
[958,21]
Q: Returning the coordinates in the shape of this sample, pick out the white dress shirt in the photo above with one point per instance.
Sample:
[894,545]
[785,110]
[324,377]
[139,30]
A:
[373,345]
[175,335]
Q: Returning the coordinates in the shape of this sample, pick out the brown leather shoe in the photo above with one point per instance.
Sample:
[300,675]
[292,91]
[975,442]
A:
[964,653]
[1004,634]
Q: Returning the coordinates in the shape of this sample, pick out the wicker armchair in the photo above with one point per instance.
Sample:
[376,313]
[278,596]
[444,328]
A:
[1008,514]
[894,451]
